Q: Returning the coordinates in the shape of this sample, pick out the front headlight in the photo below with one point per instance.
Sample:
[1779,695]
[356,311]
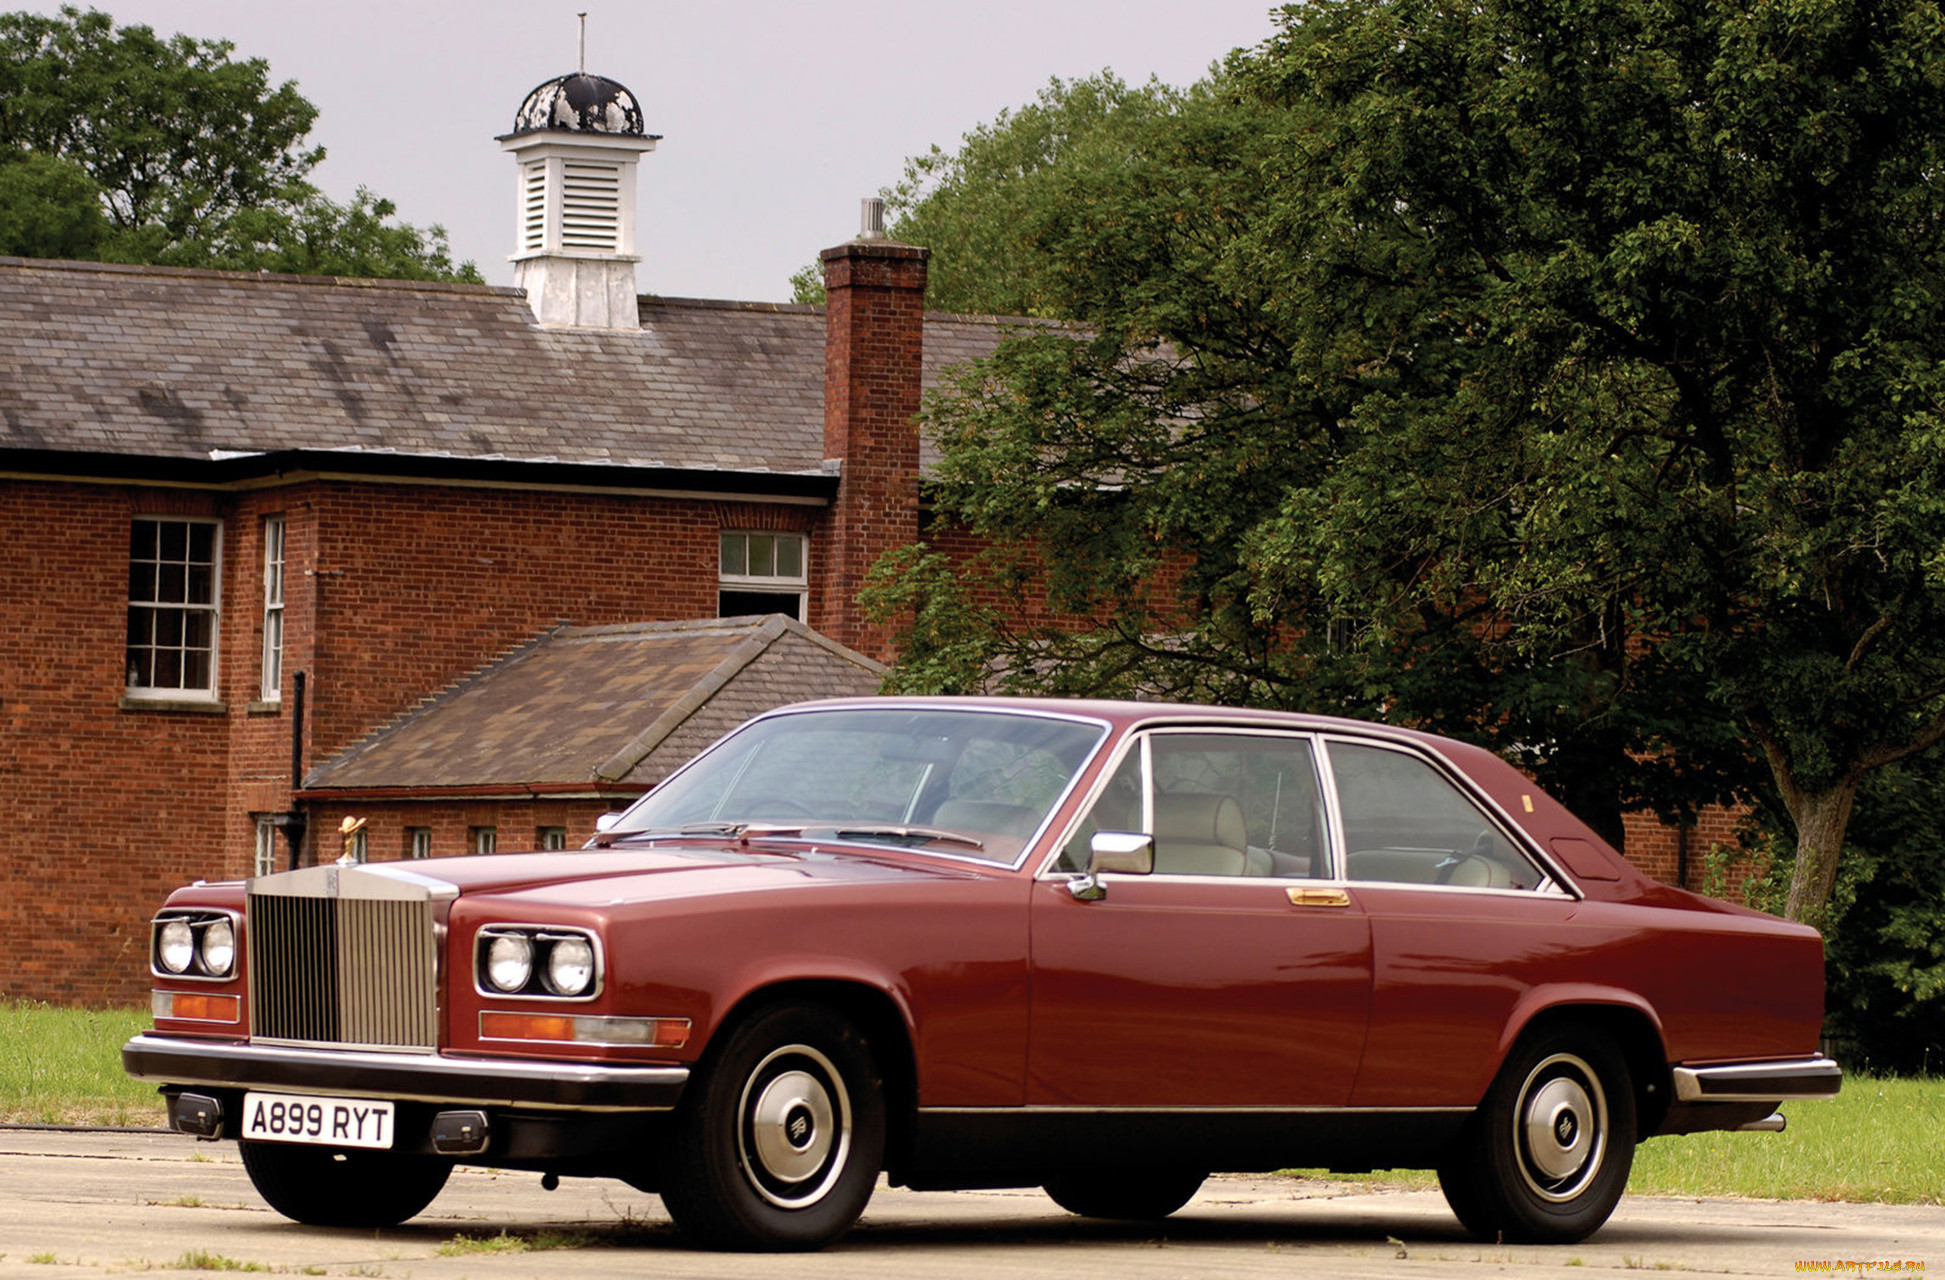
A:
[570,965]
[537,960]
[198,943]
[218,949]
[175,946]
[509,962]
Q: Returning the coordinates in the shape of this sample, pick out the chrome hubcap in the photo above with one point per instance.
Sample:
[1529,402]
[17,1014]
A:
[796,1126]
[1561,1127]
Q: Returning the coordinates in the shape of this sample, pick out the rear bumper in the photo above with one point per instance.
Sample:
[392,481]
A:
[574,1086]
[1772,1081]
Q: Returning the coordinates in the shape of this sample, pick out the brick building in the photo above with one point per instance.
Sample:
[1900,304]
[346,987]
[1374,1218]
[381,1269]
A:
[249,520]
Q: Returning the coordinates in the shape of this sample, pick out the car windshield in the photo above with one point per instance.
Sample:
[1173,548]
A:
[976,783]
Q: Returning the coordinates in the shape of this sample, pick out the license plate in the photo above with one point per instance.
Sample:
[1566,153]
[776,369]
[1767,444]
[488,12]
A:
[331,1122]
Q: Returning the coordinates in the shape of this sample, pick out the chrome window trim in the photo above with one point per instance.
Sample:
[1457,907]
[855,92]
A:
[1552,882]
[1141,738]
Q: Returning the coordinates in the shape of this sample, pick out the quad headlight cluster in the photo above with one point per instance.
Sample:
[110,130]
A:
[535,960]
[193,944]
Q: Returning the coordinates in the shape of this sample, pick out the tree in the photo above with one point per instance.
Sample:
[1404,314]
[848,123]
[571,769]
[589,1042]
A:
[968,206]
[1561,375]
[190,158]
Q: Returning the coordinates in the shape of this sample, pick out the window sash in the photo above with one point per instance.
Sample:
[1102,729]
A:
[763,560]
[272,688]
[174,604]
[266,852]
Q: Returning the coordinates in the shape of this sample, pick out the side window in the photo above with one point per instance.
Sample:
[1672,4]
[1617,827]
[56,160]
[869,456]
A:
[172,607]
[1117,808]
[1222,804]
[761,573]
[1404,823]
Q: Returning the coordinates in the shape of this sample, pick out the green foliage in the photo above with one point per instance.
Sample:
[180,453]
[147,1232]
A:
[1886,948]
[1560,375]
[49,208]
[981,209]
[189,159]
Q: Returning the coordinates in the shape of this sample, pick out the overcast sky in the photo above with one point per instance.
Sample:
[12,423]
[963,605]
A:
[776,115]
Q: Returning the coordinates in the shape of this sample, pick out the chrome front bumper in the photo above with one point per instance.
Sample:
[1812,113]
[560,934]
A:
[1773,1081]
[501,1082]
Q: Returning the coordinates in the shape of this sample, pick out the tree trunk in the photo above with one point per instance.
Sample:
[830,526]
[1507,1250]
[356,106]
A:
[1821,818]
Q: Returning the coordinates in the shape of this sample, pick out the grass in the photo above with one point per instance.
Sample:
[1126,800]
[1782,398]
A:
[519,1242]
[1882,1140]
[64,1066]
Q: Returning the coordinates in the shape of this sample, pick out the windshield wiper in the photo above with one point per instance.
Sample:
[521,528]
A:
[910,833]
[728,830]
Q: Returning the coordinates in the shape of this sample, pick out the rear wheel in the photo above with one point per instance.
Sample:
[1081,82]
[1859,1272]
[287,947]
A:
[1546,1158]
[779,1144]
[1138,1196]
[324,1188]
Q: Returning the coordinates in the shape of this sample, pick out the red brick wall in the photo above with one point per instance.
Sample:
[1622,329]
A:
[1658,850]
[517,823]
[874,338]
[102,810]
[391,592]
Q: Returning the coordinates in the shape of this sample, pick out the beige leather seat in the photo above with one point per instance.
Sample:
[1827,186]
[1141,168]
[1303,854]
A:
[987,816]
[1200,835]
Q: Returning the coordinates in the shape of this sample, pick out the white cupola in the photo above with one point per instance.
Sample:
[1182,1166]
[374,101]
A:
[577,140]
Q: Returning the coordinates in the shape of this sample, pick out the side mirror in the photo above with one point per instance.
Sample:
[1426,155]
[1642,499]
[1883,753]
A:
[607,821]
[1128,852]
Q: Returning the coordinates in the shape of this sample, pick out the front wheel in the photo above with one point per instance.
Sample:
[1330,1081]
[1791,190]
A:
[1137,1196]
[780,1143]
[1546,1158]
[324,1188]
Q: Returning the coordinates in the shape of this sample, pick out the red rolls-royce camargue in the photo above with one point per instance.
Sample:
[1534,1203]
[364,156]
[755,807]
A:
[1100,948]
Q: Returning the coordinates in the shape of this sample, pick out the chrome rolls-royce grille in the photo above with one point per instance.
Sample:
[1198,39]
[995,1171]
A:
[341,970]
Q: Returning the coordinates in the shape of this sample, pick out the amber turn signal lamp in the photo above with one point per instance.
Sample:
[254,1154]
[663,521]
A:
[652,1033]
[196,1006]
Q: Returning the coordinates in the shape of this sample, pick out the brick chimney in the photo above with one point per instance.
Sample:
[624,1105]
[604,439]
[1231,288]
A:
[874,339]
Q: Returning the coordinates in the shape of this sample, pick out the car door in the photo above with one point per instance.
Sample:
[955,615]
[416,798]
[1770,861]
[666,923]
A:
[1464,920]
[1234,975]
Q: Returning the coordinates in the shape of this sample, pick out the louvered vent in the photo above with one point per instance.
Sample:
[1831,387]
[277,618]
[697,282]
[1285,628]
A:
[591,206]
[343,971]
[533,209]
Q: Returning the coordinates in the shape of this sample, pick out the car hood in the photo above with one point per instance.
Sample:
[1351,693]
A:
[612,876]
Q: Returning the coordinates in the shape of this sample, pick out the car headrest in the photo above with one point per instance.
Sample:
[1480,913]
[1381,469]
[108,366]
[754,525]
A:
[1201,819]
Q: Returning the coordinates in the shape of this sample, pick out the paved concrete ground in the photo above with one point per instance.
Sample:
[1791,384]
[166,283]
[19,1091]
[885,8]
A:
[84,1204]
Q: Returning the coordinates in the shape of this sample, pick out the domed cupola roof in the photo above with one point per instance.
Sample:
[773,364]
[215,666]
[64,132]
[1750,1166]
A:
[580,103]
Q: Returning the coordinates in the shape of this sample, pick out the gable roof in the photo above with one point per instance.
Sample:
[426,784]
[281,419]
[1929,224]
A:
[593,710]
[198,367]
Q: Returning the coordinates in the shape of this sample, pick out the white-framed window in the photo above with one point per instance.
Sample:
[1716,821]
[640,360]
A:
[359,848]
[174,591]
[265,863]
[551,838]
[418,842]
[483,839]
[273,610]
[761,573]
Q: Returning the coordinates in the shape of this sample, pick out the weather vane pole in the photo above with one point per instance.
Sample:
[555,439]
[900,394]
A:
[584,43]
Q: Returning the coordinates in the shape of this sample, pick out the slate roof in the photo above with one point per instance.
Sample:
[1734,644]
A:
[168,363]
[586,709]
